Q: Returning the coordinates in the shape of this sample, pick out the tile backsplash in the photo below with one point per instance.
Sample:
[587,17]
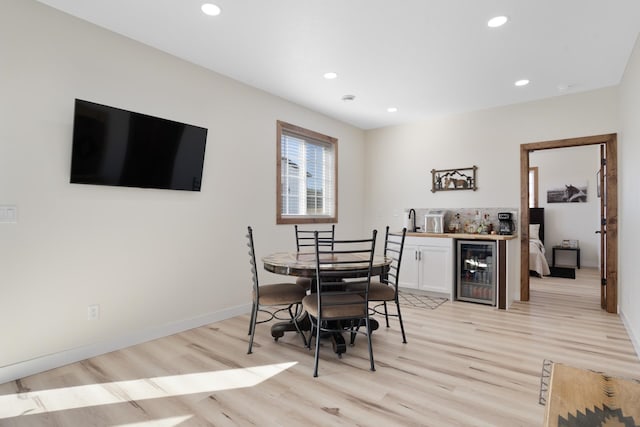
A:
[469,220]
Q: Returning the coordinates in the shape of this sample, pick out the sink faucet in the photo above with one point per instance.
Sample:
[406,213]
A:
[414,219]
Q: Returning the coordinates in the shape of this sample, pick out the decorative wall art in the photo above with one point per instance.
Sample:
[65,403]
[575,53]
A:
[454,179]
[567,193]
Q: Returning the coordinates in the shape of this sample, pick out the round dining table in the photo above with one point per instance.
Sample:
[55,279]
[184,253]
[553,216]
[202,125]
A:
[303,264]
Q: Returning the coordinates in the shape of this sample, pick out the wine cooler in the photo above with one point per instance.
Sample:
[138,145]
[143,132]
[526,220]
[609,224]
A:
[476,271]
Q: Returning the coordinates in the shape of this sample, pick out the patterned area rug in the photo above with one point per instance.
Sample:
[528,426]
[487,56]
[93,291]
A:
[545,376]
[420,300]
[578,397]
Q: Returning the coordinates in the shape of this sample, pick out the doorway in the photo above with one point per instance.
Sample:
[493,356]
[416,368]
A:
[610,202]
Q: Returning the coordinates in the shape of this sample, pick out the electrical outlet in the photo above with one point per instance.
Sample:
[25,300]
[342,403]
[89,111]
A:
[93,312]
[9,214]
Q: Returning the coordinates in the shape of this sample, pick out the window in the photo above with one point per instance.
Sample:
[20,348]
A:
[533,187]
[307,187]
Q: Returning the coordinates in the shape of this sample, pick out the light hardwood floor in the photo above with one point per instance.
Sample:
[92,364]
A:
[464,365]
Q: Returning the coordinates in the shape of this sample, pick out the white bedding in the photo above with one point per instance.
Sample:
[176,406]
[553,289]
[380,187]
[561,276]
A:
[537,260]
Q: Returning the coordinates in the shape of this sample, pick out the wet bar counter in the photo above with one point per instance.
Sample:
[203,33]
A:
[464,236]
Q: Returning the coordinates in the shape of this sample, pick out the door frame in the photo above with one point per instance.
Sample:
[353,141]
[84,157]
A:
[610,141]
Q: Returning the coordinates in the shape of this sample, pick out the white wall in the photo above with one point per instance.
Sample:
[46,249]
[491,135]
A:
[400,158]
[574,221]
[629,196]
[156,261]
[159,261]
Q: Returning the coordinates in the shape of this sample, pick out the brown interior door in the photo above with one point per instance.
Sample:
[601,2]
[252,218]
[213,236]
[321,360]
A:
[608,201]
[603,226]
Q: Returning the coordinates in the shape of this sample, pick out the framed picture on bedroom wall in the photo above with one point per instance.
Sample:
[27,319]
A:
[567,193]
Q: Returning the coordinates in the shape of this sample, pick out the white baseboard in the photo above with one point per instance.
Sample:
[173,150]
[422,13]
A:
[55,360]
[635,339]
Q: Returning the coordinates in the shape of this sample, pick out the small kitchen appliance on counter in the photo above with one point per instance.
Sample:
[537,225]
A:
[434,221]
[506,223]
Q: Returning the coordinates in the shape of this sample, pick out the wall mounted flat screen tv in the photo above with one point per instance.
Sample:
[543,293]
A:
[117,147]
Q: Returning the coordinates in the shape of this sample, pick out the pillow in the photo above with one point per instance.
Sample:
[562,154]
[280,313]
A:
[534,231]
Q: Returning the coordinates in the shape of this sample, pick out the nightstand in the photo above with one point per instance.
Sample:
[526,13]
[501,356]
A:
[560,248]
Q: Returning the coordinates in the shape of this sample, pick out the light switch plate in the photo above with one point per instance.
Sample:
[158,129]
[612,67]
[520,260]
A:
[8,214]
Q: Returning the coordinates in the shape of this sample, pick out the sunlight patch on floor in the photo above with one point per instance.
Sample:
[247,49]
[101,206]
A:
[164,422]
[42,401]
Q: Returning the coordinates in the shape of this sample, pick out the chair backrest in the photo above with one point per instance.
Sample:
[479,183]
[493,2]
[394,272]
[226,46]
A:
[393,246]
[306,238]
[252,261]
[346,258]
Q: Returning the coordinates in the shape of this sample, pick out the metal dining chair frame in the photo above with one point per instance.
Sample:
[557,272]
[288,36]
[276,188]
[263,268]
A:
[331,293]
[392,249]
[258,307]
[306,238]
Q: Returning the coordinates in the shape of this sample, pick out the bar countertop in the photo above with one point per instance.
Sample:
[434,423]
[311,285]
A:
[464,236]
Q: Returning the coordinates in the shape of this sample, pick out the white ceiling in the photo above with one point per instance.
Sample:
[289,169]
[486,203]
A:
[425,57]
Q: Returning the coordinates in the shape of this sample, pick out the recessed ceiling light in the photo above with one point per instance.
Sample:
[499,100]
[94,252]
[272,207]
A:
[330,75]
[348,97]
[522,82]
[565,87]
[211,9]
[497,21]
[392,109]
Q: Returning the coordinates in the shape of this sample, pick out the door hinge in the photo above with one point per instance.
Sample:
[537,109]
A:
[604,162]
[604,282]
[603,221]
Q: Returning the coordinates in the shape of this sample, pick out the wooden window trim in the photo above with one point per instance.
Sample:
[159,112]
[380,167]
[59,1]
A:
[306,133]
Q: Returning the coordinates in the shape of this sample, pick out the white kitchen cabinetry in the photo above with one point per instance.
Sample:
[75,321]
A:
[427,264]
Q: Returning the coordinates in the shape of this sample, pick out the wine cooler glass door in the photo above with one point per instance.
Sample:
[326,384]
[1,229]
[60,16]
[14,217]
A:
[476,272]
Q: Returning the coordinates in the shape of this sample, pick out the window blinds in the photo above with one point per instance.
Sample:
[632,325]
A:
[307,176]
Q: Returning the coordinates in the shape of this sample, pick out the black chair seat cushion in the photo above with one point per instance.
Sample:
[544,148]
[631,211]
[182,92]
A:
[350,306]
[377,291]
[280,294]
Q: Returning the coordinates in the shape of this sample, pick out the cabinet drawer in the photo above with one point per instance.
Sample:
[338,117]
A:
[441,242]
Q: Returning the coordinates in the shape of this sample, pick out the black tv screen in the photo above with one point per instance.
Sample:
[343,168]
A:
[117,147]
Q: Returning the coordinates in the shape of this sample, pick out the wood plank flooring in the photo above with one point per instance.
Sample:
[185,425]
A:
[464,365]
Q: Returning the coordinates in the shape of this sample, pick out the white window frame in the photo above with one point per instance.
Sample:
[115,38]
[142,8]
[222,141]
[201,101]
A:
[330,174]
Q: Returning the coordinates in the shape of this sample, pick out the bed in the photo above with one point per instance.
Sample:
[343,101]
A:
[538,264]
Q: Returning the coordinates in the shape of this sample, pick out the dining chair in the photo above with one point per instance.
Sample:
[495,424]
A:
[386,289]
[305,240]
[333,308]
[272,299]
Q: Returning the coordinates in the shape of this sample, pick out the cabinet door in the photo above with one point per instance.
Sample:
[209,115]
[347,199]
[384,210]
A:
[410,268]
[436,269]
